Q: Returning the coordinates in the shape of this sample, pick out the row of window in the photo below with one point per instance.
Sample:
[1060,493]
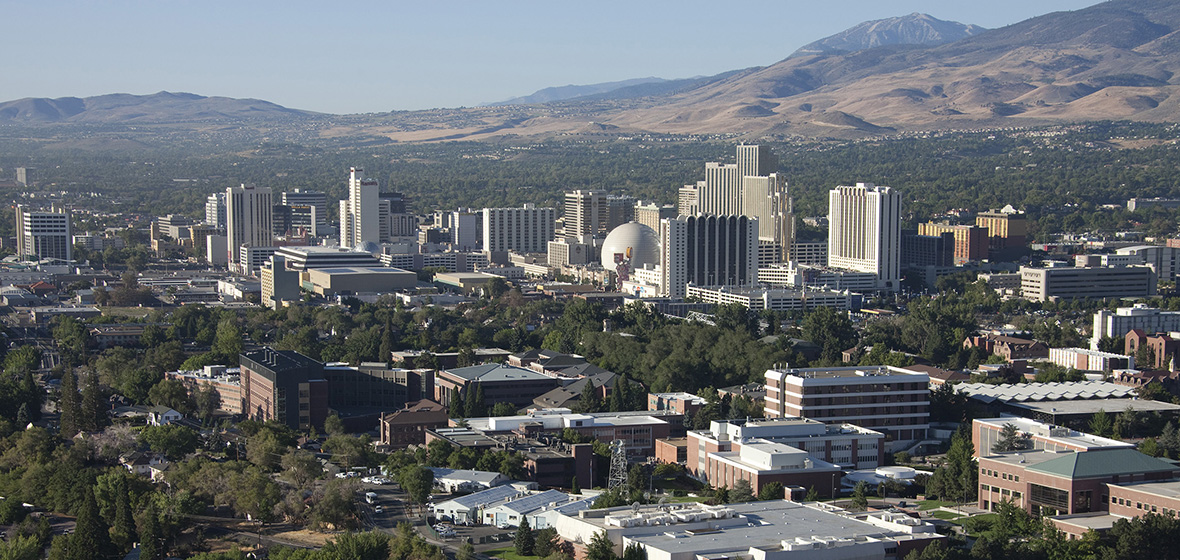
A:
[1005,476]
[1003,491]
[1142,506]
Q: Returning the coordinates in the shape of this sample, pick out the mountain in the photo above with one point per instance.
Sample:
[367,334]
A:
[159,107]
[563,93]
[914,29]
[1116,60]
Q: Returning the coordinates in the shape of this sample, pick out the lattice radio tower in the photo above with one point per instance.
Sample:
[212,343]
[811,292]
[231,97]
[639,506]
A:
[618,465]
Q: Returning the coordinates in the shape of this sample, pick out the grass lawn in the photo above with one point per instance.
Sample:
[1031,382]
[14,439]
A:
[509,553]
[934,504]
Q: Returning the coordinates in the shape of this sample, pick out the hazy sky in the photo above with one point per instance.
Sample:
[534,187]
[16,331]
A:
[352,57]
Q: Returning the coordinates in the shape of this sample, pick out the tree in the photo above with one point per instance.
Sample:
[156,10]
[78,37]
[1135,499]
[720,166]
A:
[417,481]
[600,548]
[474,407]
[173,440]
[334,426]
[771,491]
[207,401]
[1101,424]
[574,488]
[742,492]
[69,404]
[591,400]
[860,498]
[151,534]
[634,551]
[466,552]
[173,394]
[301,467]
[545,542]
[92,413]
[812,495]
[503,409]
[1010,439]
[958,479]
[91,538]
[524,541]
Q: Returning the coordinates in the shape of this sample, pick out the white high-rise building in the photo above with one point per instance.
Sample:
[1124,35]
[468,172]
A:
[249,212]
[864,231]
[44,235]
[360,215]
[215,210]
[707,250]
[526,230]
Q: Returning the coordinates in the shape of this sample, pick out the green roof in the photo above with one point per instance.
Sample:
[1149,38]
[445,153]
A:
[1102,463]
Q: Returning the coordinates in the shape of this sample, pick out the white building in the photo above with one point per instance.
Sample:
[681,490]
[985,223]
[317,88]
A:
[778,299]
[466,480]
[360,215]
[864,231]
[1123,320]
[44,235]
[215,210]
[813,276]
[526,230]
[248,211]
[1164,260]
[1084,359]
[847,445]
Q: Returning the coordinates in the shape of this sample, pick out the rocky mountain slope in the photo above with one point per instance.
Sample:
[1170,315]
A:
[914,29]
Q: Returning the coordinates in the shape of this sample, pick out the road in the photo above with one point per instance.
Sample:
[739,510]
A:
[397,510]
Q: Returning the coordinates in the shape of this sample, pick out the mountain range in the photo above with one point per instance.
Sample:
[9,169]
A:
[1115,60]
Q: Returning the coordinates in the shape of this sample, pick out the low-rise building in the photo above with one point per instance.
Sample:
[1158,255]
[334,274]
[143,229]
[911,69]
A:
[466,480]
[408,426]
[1060,283]
[894,401]
[1008,347]
[846,445]
[771,530]
[681,402]
[225,380]
[1117,323]
[499,383]
[1084,359]
[1037,436]
[777,299]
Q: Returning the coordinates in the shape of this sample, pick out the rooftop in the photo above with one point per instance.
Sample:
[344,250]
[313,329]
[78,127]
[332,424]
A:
[1102,463]
[496,372]
[1092,406]
[1057,391]
[484,497]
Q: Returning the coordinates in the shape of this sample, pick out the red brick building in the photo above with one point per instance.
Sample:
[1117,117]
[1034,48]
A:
[409,425]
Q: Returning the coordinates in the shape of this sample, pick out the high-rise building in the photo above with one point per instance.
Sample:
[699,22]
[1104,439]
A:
[215,210]
[651,213]
[24,176]
[707,251]
[527,230]
[248,211]
[395,221]
[750,188]
[360,215]
[44,235]
[971,242]
[864,231]
[585,213]
[309,210]
[1005,228]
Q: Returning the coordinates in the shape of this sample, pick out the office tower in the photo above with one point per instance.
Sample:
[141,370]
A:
[971,242]
[44,235]
[24,176]
[309,210]
[360,215]
[585,213]
[864,231]
[748,188]
[651,213]
[394,220]
[707,250]
[765,197]
[687,199]
[620,210]
[215,210]
[248,211]
[525,230]
[466,230]
[1006,228]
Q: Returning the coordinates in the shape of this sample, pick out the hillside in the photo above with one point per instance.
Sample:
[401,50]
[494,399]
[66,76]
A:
[162,107]
[914,29]
[1113,61]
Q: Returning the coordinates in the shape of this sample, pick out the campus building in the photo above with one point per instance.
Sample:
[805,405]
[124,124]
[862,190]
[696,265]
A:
[894,401]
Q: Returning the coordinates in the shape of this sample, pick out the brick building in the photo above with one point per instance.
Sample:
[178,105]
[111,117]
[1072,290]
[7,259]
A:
[894,401]
[408,426]
[500,383]
[284,385]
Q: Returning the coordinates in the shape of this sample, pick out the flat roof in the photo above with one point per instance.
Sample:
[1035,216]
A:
[1092,406]
[1163,488]
[1096,521]
[1057,391]
[768,525]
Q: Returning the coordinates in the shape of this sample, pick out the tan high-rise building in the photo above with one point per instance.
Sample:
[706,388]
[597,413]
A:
[1005,229]
[971,242]
[248,215]
[750,188]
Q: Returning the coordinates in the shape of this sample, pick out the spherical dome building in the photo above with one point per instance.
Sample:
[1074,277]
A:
[632,239]
[367,247]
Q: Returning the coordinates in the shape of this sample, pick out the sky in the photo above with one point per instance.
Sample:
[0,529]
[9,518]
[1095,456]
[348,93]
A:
[375,56]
